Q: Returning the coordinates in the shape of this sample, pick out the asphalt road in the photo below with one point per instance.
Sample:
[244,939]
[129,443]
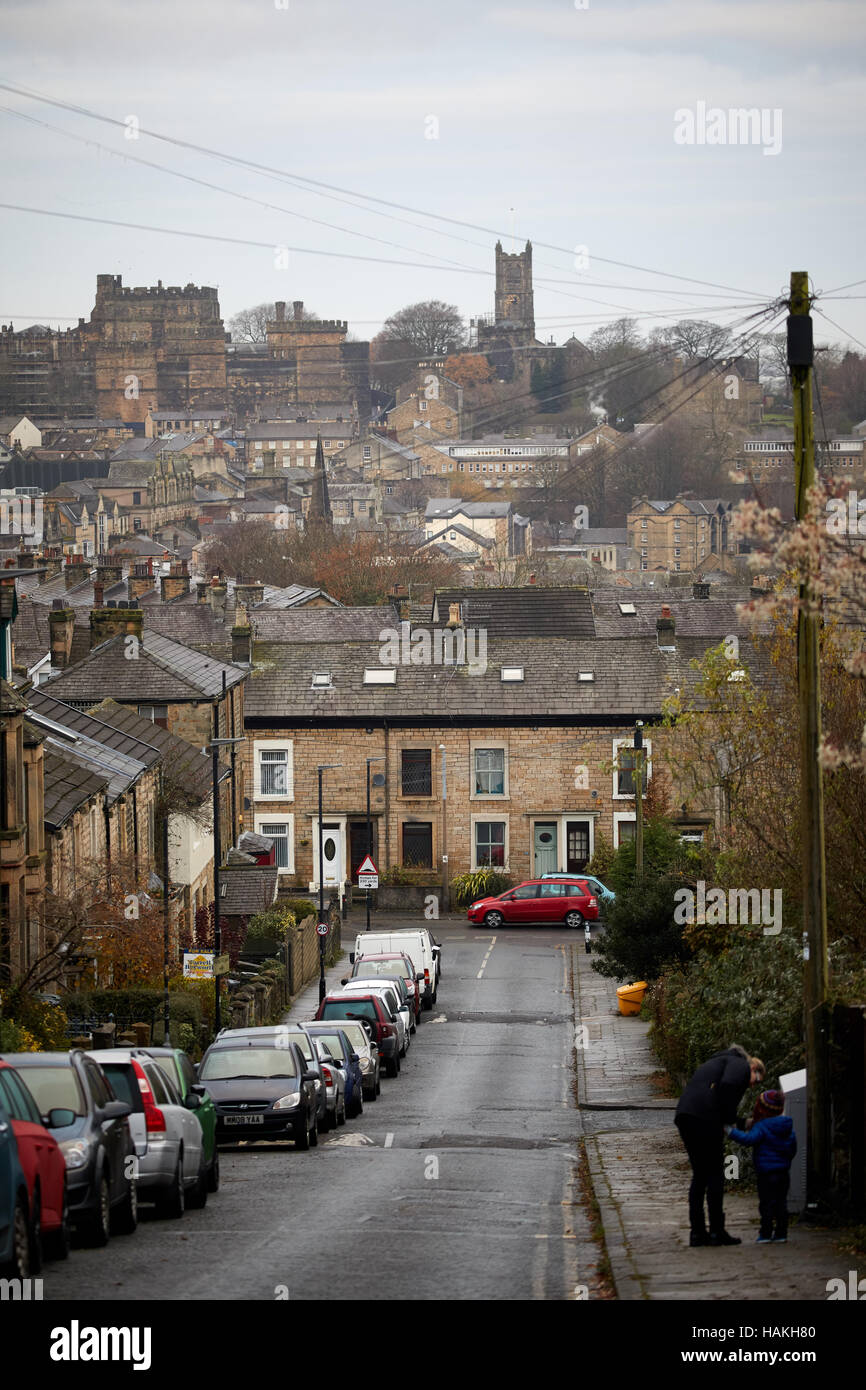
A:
[460,1182]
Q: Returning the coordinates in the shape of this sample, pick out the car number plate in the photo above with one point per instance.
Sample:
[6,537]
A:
[243,1119]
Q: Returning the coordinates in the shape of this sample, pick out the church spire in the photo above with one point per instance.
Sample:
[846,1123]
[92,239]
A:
[320,504]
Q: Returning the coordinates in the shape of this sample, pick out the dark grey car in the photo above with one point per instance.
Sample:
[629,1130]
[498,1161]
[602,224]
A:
[91,1126]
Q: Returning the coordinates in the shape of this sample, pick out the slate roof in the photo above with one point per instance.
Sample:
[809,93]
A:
[483,541]
[165,673]
[627,683]
[67,786]
[118,769]
[187,765]
[450,506]
[132,464]
[247,889]
[522,612]
[713,618]
[130,743]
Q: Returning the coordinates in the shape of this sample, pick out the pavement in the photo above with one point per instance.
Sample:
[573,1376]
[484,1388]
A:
[640,1175]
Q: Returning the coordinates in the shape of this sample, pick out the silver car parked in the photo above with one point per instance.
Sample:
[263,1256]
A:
[172,1170]
[335,1084]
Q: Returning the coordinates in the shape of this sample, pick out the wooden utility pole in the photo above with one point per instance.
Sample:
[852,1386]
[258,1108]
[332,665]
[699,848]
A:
[800,361]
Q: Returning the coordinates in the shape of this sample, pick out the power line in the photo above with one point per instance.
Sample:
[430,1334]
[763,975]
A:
[366,198]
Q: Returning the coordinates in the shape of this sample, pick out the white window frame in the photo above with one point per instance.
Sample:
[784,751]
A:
[262,745]
[620,818]
[629,743]
[279,818]
[484,818]
[496,797]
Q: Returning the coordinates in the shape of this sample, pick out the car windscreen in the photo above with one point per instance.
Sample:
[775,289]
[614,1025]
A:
[124,1084]
[228,1063]
[332,1042]
[358,1038]
[54,1088]
[366,967]
[361,1008]
[168,1069]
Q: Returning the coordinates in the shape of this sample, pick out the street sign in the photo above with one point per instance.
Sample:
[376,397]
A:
[221,965]
[322,929]
[368,874]
[198,965]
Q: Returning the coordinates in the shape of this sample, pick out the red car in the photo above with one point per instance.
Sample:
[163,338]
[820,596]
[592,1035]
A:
[44,1168]
[369,1009]
[536,901]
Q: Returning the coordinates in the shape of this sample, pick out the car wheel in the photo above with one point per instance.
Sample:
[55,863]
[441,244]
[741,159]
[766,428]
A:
[98,1229]
[36,1231]
[19,1265]
[493,920]
[57,1242]
[197,1195]
[341,1115]
[173,1204]
[392,1066]
[378,1085]
[302,1134]
[359,1106]
[126,1217]
[314,1133]
[574,919]
[213,1172]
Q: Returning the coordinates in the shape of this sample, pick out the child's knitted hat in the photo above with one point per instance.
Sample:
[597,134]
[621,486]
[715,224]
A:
[768,1104]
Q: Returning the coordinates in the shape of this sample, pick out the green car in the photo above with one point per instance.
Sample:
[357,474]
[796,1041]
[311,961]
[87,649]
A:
[180,1071]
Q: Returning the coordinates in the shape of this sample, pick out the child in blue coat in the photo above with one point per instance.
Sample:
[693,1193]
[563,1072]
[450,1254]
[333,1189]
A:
[772,1136]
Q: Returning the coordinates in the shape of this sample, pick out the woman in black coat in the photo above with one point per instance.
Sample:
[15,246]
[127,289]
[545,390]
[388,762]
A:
[707,1106]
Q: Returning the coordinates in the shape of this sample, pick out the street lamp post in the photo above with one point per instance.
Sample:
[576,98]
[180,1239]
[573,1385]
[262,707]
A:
[215,745]
[379,759]
[320,769]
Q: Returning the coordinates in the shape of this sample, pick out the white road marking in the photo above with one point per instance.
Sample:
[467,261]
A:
[486,958]
[389,1140]
[440,1018]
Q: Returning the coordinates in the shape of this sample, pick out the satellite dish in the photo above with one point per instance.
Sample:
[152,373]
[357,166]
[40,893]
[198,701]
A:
[378,779]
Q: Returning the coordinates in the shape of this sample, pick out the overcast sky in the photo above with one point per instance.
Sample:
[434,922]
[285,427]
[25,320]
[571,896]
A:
[565,115]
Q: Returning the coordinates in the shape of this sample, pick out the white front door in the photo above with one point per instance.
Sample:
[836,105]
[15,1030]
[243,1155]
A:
[333,853]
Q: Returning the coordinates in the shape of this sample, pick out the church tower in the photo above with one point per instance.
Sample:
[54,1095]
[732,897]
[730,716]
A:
[514,302]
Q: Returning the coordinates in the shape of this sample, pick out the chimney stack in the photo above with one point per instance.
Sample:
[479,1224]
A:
[75,571]
[61,625]
[176,582]
[665,628]
[98,593]
[700,590]
[242,640]
[109,569]
[108,622]
[249,592]
[217,597]
[298,307]
[280,308]
[140,580]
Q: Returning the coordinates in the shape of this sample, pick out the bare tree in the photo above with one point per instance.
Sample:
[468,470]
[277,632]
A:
[693,338]
[432,327]
[251,325]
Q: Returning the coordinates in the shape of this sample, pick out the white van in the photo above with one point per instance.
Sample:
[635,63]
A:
[417,944]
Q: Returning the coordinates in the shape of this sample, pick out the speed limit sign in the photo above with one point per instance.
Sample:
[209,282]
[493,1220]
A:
[323,929]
